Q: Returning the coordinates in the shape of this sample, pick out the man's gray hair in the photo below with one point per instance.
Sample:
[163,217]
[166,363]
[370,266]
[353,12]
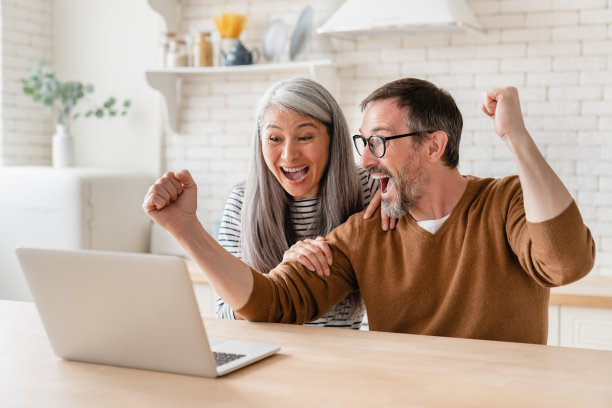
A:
[267,231]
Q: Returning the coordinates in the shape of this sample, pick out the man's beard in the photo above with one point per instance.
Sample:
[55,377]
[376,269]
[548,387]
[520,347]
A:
[408,188]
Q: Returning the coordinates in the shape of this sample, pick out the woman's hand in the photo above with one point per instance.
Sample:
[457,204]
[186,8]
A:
[172,200]
[314,254]
[385,221]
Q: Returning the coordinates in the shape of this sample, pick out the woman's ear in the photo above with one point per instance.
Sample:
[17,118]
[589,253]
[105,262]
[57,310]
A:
[436,145]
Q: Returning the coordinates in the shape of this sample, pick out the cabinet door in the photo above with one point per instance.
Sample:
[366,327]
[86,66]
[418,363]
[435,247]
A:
[585,327]
[553,325]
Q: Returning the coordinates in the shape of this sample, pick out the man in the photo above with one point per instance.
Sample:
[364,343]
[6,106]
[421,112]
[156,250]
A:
[469,257]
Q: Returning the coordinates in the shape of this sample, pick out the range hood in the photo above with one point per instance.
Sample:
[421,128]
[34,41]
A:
[357,17]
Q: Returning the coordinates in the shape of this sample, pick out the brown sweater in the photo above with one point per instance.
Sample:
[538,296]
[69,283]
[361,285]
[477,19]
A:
[485,274]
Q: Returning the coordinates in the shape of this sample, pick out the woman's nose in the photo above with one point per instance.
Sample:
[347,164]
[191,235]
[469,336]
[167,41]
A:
[290,151]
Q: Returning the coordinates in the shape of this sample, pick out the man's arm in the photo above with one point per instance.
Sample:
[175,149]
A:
[545,228]
[545,196]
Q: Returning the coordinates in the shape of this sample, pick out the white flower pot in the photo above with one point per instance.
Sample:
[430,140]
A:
[62,147]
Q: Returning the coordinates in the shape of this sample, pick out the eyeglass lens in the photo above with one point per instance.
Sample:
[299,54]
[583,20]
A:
[375,144]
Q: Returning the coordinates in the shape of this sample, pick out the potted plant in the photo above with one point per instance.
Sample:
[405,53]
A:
[61,98]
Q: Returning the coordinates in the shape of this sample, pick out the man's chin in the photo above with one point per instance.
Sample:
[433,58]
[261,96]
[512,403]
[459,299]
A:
[393,210]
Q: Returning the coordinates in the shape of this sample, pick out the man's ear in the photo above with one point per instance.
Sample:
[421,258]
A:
[436,145]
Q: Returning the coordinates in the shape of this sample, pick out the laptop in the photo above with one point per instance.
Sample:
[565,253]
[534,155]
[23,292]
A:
[130,310]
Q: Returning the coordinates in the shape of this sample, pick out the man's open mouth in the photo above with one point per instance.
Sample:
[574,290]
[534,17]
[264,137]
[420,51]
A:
[295,173]
[385,182]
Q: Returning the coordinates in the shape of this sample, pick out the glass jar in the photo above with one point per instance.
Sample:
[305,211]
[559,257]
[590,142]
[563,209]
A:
[202,49]
[164,43]
[177,55]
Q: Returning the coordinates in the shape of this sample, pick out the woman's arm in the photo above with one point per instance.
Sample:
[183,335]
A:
[172,202]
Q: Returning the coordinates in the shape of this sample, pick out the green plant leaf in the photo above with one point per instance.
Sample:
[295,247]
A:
[112,113]
[89,113]
[89,88]
[28,90]
[37,97]
[127,103]
[99,113]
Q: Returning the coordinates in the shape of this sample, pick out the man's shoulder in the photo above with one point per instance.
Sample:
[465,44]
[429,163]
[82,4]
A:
[505,186]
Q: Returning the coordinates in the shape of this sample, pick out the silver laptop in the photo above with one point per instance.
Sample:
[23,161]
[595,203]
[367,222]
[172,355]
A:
[130,310]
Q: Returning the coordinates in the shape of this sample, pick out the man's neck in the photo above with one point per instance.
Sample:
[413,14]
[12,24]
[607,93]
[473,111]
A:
[441,195]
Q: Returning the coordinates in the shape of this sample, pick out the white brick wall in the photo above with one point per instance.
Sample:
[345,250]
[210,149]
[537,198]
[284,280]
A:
[25,132]
[557,52]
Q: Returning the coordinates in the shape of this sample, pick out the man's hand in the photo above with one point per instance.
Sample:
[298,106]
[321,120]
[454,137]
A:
[314,254]
[172,200]
[385,221]
[502,104]
[544,194]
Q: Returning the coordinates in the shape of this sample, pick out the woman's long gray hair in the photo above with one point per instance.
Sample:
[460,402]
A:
[267,231]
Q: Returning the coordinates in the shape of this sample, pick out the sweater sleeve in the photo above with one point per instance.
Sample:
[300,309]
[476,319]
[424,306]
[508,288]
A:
[229,238]
[554,252]
[292,294]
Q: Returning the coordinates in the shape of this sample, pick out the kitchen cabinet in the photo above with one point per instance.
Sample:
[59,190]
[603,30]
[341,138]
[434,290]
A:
[580,314]
[168,80]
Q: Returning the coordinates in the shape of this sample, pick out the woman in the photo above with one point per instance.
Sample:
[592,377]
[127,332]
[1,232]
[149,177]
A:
[301,184]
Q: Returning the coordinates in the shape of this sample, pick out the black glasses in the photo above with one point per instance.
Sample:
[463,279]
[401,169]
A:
[378,144]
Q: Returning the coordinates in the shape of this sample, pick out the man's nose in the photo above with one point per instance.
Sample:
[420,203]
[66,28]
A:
[367,159]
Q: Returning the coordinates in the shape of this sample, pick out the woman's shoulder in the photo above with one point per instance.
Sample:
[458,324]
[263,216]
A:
[237,193]
[235,200]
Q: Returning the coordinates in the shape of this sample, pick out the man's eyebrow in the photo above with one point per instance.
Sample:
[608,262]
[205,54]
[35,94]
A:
[377,129]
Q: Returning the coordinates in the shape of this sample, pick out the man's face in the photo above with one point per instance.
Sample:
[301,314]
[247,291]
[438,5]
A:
[402,171]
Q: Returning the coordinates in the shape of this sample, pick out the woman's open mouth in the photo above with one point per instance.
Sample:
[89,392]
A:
[295,174]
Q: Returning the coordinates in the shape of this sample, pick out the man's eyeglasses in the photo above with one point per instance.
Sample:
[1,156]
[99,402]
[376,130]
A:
[378,144]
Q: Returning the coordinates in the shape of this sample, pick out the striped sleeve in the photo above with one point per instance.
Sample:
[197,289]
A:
[369,185]
[229,238]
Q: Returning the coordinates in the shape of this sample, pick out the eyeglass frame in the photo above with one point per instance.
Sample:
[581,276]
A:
[384,141]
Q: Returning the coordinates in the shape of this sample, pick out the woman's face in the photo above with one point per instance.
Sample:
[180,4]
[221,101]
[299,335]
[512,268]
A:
[296,150]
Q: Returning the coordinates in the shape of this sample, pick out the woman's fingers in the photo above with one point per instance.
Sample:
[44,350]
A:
[165,190]
[392,223]
[313,254]
[374,204]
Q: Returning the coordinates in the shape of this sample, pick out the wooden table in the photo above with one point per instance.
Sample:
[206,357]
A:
[316,367]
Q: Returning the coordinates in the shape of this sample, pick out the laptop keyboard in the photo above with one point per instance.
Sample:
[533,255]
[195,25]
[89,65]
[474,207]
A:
[224,358]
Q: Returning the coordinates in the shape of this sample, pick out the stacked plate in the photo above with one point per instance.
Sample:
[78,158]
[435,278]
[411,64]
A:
[276,35]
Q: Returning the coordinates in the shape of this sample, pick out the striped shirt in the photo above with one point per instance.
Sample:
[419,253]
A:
[346,314]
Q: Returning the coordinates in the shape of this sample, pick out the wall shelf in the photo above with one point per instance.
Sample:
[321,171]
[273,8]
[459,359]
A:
[278,66]
[168,80]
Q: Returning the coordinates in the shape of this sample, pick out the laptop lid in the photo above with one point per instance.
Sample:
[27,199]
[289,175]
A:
[125,309]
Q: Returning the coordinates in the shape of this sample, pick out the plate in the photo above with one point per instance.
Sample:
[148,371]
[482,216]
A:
[301,34]
[274,40]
